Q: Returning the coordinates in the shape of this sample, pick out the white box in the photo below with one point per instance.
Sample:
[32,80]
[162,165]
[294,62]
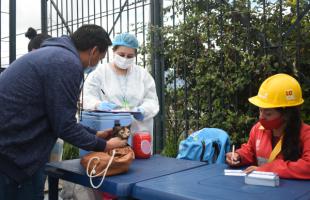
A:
[262,178]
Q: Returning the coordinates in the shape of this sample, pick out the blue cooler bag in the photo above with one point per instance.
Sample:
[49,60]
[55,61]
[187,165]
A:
[104,120]
[206,145]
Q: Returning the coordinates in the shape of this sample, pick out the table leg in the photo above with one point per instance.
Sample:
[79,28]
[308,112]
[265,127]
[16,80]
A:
[52,188]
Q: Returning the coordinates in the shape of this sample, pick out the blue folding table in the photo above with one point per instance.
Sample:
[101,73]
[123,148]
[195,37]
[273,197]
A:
[120,185]
[209,182]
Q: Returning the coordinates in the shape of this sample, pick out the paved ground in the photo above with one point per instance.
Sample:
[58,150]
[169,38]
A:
[46,197]
[46,190]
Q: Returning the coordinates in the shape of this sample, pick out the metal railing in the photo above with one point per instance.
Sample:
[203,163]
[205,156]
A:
[141,16]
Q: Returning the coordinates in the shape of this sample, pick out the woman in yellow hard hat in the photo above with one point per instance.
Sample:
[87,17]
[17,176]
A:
[280,141]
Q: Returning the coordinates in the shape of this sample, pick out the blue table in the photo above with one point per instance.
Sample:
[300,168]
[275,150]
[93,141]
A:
[209,182]
[120,185]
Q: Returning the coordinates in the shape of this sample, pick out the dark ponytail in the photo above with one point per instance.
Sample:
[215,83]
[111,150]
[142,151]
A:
[31,33]
[35,38]
[291,149]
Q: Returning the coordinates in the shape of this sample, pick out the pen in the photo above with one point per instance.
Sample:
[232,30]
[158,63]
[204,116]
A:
[233,153]
[102,91]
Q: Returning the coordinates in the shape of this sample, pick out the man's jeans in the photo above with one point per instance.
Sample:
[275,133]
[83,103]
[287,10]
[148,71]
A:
[30,189]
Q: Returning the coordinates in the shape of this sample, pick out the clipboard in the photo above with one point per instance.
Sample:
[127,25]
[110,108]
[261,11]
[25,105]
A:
[112,111]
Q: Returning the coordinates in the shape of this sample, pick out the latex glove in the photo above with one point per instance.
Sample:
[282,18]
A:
[106,106]
[139,115]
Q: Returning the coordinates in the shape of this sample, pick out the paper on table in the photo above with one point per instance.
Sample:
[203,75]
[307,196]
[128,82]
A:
[234,172]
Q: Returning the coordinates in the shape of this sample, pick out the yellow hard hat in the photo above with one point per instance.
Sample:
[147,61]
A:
[280,90]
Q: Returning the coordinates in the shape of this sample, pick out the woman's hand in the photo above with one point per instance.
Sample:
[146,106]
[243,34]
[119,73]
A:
[232,159]
[106,106]
[250,169]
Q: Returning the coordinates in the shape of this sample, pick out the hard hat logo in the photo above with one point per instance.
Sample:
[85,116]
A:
[290,95]
[280,90]
[263,95]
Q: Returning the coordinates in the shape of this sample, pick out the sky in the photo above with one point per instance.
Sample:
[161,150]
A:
[28,13]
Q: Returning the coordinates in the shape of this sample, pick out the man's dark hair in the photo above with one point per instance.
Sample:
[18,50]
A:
[89,36]
[35,39]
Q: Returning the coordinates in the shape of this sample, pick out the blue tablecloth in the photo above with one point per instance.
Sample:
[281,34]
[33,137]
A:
[120,185]
[209,182]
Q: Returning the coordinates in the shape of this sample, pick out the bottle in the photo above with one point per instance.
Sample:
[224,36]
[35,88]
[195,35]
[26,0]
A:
[142,145]
[57,151]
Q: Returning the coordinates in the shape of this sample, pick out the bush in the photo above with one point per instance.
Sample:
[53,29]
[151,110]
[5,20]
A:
[217,58]
[70,152]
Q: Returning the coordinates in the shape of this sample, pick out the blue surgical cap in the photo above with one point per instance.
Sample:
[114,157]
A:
[127,40]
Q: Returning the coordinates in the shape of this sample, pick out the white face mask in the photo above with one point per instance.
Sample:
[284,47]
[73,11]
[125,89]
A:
[122,62]
[90,67]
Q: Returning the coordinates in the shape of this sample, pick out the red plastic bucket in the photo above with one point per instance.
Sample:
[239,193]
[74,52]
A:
[142,144]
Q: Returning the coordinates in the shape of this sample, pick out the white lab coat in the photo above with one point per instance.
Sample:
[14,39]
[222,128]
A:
[140,92]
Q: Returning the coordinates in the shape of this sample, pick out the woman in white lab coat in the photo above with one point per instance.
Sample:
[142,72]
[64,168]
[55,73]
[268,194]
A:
[123,85]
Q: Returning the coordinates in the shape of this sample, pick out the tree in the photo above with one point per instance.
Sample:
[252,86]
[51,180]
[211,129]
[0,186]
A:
[217,57]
